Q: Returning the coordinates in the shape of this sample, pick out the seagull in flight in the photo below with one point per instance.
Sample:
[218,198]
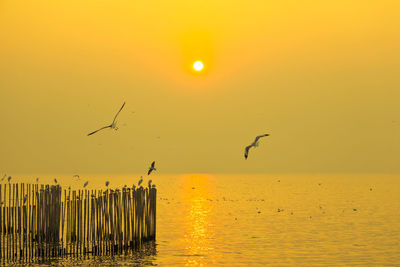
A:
[86,183]
[112,125]
[254,144]
[151,168]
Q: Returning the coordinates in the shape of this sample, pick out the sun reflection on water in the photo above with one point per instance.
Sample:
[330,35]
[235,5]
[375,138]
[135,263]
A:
[198,190]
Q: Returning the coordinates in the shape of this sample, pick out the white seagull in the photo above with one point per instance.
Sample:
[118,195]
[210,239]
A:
[254,144]
[112,125]
[152,168]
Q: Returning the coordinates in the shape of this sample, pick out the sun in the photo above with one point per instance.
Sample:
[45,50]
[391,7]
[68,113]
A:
[198,65]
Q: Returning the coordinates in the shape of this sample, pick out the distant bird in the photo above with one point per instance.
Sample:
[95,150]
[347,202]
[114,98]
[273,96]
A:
[37,179]
[9,178]
[112,125]
[370,189]
[140,181]
[151,168]
[354,209]
[254,144]
[150,183]
[107,183]
[86,183]
[55,180]
[5,175]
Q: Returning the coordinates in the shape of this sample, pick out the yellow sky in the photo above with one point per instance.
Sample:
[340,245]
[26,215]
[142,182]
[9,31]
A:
[322,77]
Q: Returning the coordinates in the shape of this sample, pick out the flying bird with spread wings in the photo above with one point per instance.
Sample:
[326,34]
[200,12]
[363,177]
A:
[152,168]
[254,144]
[112,125]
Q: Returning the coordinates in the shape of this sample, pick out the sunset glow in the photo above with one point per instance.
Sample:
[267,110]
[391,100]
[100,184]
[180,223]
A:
[198,65]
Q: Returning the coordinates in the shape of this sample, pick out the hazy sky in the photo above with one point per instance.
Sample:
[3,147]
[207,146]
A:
[322,77]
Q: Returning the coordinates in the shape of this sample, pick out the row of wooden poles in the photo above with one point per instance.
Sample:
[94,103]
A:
[46,221]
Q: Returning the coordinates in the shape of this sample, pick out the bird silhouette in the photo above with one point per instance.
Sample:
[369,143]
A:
[152,168]
[112,125]
[254,144]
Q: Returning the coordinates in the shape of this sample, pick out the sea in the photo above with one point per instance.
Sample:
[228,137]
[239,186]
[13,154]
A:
[258,220]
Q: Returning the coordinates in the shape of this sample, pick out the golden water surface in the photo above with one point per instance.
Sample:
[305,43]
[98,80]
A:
[264,220]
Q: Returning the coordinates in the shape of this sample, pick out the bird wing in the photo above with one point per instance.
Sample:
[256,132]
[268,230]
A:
[258,137]
[246,151]
[152,164]
[116,115]
[109,126]
[148,173]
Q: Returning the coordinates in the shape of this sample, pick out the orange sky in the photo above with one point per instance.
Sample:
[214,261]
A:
[322,77]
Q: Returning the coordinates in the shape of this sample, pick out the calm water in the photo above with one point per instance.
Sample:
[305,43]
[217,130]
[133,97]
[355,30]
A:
[233,220]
